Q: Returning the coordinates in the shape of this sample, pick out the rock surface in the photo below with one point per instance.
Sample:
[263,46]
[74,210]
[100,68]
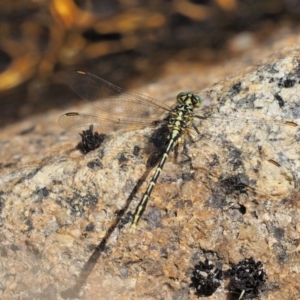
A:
[235,196]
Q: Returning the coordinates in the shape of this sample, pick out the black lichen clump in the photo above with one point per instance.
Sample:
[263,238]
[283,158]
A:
[233,184]
[90,140]
[206,278]
[247,278]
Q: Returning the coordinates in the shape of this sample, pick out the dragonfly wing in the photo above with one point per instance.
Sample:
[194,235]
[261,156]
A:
[113,99]
[246,132]
[262,150]
[76,122]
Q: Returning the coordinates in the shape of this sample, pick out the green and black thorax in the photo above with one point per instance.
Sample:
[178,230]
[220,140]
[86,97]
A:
[182,115]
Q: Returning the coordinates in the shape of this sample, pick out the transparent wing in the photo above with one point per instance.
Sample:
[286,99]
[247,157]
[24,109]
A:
[264,152]
[247,130]
[113,99]
[77,122]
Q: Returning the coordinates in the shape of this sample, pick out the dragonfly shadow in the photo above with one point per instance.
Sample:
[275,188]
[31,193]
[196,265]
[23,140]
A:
[158,140]
[74,291]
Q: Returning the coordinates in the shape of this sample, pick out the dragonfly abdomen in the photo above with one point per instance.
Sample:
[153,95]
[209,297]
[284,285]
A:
[180,118]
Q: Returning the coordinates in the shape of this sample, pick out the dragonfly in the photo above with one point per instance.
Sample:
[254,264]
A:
[122,110]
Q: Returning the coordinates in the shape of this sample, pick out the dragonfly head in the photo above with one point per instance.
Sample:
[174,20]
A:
[184,97]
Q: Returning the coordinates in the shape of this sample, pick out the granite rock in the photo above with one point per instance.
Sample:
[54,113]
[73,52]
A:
[233,195]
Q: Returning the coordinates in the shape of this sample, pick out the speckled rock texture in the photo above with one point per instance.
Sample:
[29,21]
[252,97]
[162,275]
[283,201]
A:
[231,195]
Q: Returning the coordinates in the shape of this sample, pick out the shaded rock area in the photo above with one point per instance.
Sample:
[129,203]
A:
[232,197]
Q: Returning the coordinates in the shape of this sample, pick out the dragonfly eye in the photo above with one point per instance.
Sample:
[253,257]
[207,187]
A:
[181,97]
[196,100]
